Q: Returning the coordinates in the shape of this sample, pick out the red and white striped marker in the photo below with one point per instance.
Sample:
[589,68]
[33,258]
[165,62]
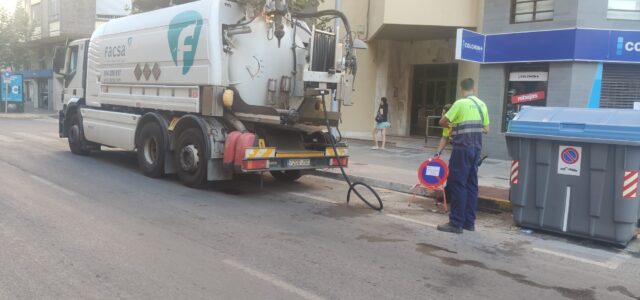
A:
[515,168]
[630,185]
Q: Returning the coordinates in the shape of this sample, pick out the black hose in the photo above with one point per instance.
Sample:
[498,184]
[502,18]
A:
[350,60]
[352,185]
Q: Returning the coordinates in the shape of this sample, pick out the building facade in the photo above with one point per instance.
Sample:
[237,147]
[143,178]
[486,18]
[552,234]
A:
[410,60]
[54,23]
[595,73]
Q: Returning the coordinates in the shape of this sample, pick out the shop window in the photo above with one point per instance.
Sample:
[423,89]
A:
[524,11]
[620,86]
[624,9]
[526,85]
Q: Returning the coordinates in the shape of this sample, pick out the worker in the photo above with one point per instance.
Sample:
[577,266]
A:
[469,119]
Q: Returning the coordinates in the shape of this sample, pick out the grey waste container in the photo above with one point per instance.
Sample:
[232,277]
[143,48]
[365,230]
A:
[575,171]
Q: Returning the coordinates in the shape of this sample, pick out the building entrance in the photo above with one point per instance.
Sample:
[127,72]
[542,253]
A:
[433,86]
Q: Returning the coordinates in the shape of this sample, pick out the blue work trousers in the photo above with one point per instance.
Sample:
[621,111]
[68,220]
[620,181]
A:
[462,186]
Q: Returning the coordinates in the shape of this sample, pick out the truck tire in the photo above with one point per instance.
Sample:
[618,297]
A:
[189,157]
[286,176]
[77,143]
[151,150]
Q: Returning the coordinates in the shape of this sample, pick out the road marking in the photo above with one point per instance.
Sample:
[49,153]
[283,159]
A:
[8,139]
[34,137]
[612,264]
[313,197]
[46,120]
[273,280]
[567,204]
[411,220]
[53,185]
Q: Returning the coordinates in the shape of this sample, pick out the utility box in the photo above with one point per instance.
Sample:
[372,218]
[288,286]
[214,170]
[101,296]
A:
[575,171]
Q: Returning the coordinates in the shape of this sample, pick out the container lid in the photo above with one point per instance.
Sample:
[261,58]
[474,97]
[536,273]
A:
[618,126]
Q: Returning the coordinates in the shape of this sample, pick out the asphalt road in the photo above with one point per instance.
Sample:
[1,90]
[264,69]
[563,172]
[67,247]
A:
[94,227]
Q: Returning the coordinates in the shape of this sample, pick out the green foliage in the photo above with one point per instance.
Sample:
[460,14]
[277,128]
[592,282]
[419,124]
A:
[15,32]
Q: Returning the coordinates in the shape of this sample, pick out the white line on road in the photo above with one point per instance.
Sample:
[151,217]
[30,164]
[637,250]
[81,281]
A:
[53,185]
[313,197]
[46,120]
[273,280]
[8,139]
[411,220]
[35,137]
[612,264]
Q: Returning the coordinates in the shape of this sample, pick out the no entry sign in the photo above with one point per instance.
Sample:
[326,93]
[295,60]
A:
[433,173]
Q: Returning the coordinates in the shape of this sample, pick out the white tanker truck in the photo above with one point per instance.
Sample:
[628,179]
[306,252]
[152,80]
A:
[209,89]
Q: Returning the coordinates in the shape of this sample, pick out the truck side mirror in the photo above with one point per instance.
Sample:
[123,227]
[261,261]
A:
[59,56]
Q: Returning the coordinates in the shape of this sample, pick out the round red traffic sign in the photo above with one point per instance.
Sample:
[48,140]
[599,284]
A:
[570,156]
[433,173]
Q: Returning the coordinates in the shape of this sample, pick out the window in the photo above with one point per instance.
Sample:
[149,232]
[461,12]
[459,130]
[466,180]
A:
[526,85]
[36,14]
[620,86]
[54,10]
[624,9]
[523,11]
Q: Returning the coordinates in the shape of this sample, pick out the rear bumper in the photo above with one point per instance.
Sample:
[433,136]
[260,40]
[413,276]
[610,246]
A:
[269,159]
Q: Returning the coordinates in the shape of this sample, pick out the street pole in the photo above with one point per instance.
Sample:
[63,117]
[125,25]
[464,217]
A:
[6,97]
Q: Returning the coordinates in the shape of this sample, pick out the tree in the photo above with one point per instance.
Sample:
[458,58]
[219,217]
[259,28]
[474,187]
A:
[15,32]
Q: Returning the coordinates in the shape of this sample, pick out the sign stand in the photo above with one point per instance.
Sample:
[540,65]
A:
[432,176]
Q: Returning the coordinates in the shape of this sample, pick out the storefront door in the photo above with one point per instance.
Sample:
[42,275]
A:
[433,87]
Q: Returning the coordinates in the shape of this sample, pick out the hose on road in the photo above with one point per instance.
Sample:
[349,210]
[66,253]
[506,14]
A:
[352,185]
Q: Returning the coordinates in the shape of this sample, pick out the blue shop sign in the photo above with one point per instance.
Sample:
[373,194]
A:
[14,85]
[574,44]
[470,45]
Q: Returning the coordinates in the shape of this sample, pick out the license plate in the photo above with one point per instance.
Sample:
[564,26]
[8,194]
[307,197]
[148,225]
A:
[299,163]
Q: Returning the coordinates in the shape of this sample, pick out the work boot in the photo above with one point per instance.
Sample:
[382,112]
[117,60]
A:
[469,227]
[450,228]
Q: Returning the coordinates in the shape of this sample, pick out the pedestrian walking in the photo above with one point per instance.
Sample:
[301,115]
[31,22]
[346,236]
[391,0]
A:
[382,123]
[469,119]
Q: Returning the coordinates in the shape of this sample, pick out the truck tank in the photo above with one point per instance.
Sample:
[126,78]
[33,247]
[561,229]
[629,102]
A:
[161,59]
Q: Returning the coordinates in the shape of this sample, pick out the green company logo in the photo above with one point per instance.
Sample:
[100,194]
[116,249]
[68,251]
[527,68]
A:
[183,35]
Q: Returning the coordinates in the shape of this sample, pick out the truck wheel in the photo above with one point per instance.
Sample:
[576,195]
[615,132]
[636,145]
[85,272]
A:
[151,150]
[190,160]
[286,176]
[77,143]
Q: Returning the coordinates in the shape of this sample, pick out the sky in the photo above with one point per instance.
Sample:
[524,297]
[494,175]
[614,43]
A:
[9,5]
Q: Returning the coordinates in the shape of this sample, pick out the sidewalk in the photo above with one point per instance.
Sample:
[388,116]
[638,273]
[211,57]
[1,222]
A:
[30,114]
[396,168]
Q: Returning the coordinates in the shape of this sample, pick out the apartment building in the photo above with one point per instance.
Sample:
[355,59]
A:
[54,23]
[564,53]
[577,53]
[410,60]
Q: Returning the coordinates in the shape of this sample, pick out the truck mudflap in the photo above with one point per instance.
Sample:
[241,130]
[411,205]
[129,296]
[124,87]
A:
[272,159]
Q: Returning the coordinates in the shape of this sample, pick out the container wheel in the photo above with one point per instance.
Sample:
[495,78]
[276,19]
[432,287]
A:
[77,143]
[151,150]
[286,176]
[190,158]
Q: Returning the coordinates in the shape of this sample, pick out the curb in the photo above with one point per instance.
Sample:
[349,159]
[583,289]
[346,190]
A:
[485,202]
